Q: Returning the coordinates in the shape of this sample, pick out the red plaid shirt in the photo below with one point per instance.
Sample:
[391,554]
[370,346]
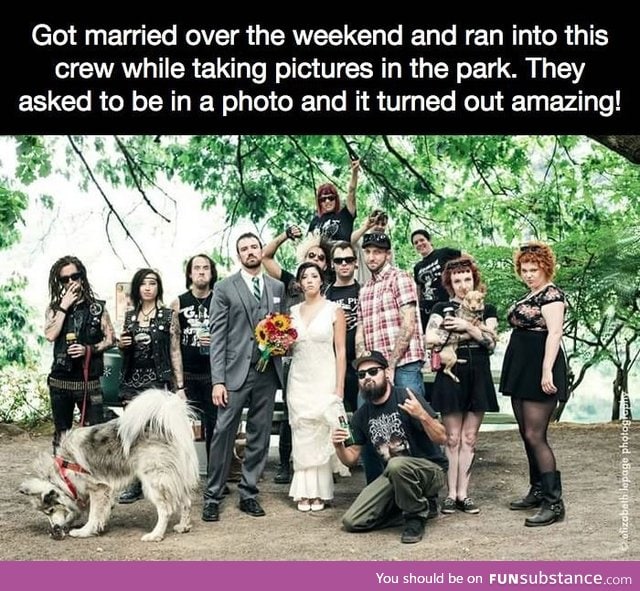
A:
[379,316]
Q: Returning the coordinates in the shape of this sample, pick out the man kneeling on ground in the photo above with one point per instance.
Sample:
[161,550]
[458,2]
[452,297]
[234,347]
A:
[403,429]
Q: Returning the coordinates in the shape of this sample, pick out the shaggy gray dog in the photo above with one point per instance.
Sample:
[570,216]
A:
[151,441]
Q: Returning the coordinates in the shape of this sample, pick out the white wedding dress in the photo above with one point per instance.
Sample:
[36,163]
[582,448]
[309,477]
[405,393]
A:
[313,406]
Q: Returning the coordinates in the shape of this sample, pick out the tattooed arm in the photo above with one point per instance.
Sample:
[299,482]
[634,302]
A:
[408,319]
[435,335]
[109,338]
[176,355]
[484,334]
[53,321]
[54,317]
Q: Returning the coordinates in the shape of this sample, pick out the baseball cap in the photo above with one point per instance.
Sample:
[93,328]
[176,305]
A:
[376,239]
[371,356]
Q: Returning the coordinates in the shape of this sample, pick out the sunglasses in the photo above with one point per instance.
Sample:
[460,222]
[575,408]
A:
[530,248]
[324,198]
[313,256]
[376,238]
[347,260]
[372,371]
[64,279]
[458,265]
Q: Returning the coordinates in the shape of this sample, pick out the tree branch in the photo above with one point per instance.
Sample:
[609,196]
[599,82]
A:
[112,209]
[133,166]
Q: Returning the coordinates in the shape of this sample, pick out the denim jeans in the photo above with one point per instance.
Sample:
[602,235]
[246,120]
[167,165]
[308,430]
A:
[410,376]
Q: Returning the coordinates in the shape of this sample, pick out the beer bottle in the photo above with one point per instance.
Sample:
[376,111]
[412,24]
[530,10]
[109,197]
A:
[71,339]
[345,425]
[202,330]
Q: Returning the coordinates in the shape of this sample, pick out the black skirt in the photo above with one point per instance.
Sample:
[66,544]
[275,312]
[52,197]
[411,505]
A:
[522,367]
[474,393]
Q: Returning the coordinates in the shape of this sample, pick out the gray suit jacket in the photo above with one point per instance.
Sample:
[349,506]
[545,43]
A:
[232,321]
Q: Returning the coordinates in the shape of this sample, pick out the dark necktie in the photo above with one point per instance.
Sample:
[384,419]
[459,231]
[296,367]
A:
[256,288]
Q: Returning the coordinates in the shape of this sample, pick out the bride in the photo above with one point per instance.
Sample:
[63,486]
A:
[315,387]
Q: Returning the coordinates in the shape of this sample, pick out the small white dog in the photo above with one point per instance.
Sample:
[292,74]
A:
[152,441]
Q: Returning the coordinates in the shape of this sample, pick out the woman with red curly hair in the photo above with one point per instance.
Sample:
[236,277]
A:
[332,222]
[534,374]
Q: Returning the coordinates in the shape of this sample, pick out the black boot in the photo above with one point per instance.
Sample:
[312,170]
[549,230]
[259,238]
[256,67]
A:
[284,472]
[531,500]
[132,493]
[552,508]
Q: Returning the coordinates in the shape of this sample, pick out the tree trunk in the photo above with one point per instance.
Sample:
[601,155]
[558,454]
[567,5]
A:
[625,145]
[621,396]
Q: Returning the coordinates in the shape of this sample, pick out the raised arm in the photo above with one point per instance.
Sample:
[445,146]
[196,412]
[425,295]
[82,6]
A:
[269,251]
[362,230]
[54,317]
[353,185]
[432,427]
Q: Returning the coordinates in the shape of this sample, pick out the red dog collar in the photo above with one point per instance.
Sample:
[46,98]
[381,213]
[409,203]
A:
[64,466]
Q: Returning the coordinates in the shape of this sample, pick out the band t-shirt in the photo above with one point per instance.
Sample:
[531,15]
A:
[427,274]
[347,297]
[392,432]
[334,226]
[193,315]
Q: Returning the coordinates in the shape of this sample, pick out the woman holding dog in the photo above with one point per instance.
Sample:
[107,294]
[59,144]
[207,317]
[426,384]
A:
[150,348]
[534,374]
[462,404]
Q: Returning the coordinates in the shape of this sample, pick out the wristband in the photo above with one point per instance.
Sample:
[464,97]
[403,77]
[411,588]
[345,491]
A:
[63,310]
[289,233]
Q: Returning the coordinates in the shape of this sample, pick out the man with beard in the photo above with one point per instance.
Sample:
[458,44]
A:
[403,429]
[192,308]
[239,302]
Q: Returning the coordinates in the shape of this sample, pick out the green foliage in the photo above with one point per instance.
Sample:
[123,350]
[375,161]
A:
[34,158]
[12,205]
[16,328]
[24,396]
[483,194]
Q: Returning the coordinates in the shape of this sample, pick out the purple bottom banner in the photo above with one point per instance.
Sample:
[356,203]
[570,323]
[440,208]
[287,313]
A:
[320,576]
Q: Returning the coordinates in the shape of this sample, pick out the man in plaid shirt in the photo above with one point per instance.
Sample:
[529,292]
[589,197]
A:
[388,320]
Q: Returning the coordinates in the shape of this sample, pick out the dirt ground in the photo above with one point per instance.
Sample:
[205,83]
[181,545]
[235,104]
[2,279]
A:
[590,457]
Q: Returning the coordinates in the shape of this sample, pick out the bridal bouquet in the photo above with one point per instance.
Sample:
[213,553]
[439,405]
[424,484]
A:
[274,335]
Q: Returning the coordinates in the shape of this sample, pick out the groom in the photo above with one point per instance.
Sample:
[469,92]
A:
[239,303]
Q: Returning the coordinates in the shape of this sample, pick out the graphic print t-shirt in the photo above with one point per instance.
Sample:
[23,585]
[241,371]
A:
[347,297]
[392,432]
[427,274]
[334,226]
